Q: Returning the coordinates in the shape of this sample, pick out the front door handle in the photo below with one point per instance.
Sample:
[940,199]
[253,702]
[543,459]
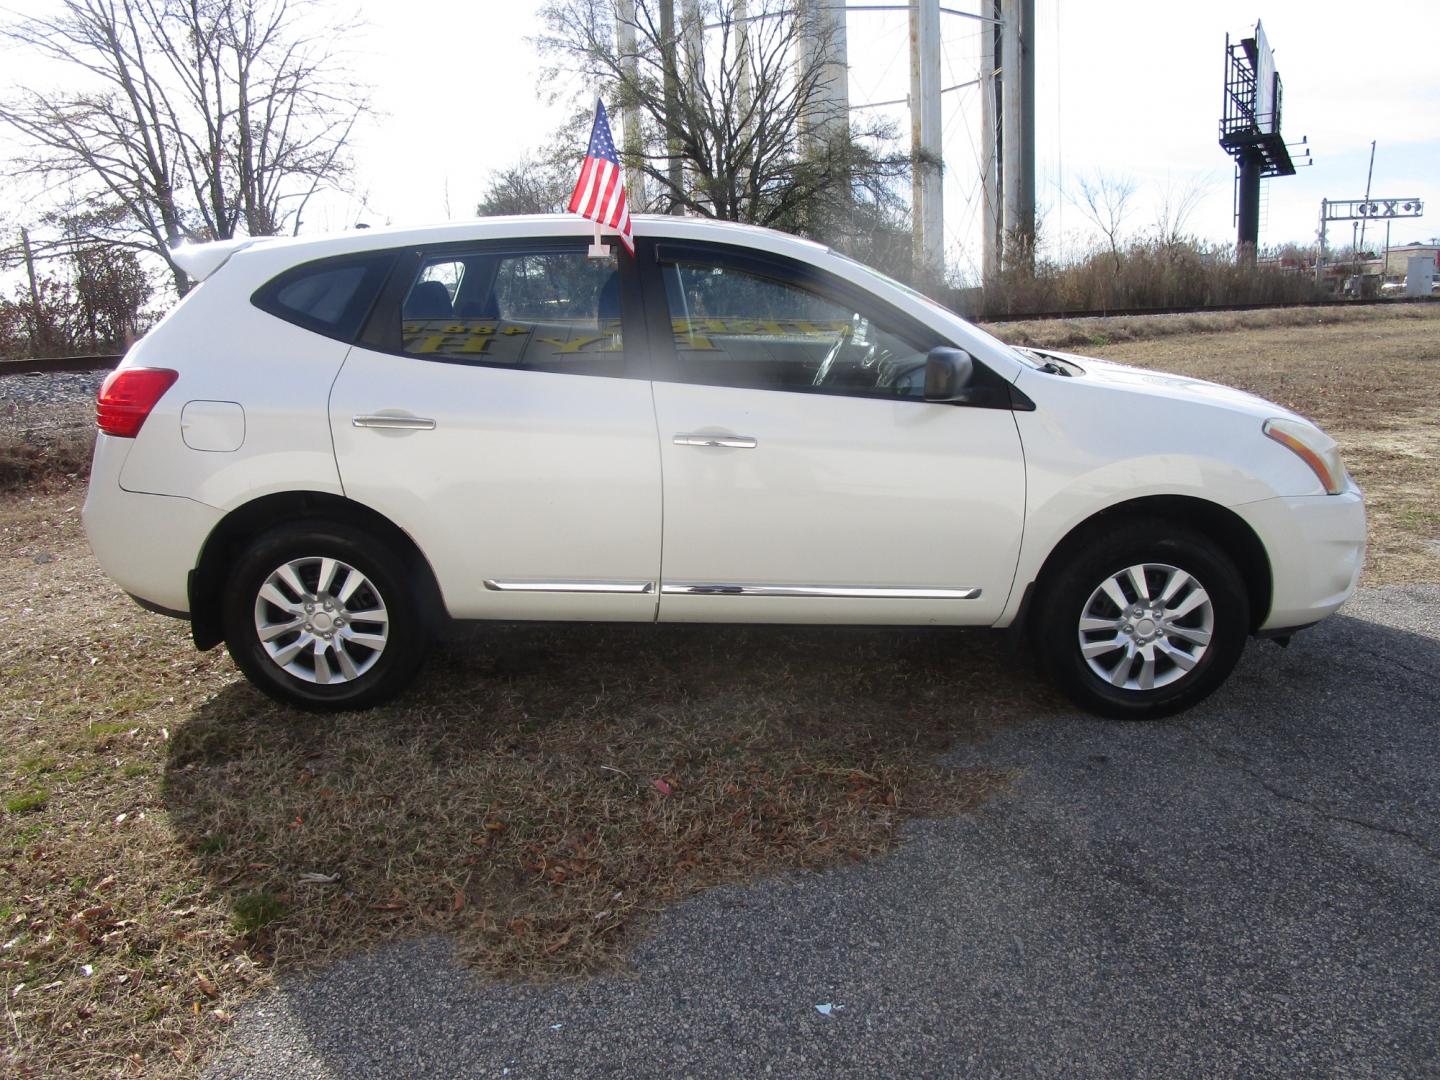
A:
[739,442]
[394,423]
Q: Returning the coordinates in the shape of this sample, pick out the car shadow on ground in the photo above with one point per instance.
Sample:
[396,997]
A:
[543,786]
[1241,889]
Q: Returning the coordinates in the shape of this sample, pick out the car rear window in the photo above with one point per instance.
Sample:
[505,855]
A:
[330,296]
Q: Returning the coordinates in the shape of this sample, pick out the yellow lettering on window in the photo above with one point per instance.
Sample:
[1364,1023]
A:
[572,346]
[430,343]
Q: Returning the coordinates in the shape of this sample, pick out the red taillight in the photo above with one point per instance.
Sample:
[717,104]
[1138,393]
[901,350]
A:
[127,396]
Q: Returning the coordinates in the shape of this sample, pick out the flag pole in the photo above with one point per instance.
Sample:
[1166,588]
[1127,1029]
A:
[597,249]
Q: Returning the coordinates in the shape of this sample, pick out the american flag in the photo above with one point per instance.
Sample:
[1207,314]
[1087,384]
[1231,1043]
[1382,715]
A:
[600,192]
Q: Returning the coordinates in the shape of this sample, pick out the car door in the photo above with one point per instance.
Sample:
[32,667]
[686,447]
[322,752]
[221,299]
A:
[498,408]
[806,479]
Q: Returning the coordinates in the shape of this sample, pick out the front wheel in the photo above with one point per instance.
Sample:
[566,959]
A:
[1142,622]
[324,617]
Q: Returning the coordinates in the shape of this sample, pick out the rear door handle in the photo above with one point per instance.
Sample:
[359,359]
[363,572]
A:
[394,423]
[738,442]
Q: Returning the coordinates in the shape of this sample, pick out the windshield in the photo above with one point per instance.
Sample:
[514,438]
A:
[871,272]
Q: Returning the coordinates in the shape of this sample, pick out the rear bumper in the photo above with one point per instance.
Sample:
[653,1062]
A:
[147,544]
[1317,547]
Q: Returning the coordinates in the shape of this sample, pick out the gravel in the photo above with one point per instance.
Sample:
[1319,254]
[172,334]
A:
[1252,888]
[39,408]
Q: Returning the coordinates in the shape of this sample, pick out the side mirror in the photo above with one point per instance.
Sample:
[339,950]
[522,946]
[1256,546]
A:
[948,374]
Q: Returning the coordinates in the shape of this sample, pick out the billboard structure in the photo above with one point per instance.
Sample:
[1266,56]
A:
[1250,130]
[1267,85]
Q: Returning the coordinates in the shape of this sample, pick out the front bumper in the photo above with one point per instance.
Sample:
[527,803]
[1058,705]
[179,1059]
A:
[1316,545]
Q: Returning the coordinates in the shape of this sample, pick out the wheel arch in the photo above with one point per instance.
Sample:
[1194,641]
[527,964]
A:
[1231,532]
[246,522]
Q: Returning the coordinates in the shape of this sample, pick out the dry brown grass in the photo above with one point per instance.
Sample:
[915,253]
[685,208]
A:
[28,463]
[1092,334]
[47,428]
[171,839]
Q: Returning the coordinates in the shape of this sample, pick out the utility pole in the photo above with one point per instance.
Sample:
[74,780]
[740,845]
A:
[33,320]
[822,55]
[1369,176]
[1017,127]
[692,33]
[674,169]
[630,109]
[989,146]
[746,80]
[926,152]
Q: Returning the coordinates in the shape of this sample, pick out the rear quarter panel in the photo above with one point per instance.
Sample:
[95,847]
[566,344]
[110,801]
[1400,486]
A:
[228,350]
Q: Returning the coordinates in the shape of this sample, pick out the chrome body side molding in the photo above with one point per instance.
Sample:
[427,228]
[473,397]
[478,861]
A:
[570,586]
[390,422]
[845,592]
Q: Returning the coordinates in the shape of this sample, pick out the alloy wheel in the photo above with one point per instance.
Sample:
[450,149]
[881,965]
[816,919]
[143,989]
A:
[1146,626]
[321,620]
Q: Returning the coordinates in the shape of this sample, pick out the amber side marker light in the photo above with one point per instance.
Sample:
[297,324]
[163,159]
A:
[1301,440]
[127,396]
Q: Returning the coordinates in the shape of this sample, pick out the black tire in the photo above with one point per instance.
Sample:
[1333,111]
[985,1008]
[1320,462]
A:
[365,661]
[1183,668]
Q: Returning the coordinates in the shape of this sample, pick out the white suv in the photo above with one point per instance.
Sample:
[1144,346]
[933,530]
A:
[333,445]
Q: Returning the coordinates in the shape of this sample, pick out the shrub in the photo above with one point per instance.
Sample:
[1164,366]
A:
[1145,274]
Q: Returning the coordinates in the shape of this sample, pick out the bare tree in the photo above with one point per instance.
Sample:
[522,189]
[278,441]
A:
[1177,205]
[1104,200]
[531,186]
[728,102]
[199,119]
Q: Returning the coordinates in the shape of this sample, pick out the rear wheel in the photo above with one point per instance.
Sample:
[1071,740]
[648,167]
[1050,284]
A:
[324,617]
[1142,622]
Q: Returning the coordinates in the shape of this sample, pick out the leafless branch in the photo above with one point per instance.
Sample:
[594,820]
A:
[198,119]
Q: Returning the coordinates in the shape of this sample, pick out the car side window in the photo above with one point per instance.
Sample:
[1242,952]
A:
[330,296]
[739,327]
[535,310]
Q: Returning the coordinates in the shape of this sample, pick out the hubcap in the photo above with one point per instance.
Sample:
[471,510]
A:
[321,620]
[1146,626]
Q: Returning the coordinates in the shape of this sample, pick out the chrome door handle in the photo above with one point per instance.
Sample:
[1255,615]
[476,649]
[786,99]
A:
[739,442]
[395,423]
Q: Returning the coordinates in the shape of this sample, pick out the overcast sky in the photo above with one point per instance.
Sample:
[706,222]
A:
[1128,87]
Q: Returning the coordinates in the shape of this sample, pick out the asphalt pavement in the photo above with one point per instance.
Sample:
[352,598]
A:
[1250,889]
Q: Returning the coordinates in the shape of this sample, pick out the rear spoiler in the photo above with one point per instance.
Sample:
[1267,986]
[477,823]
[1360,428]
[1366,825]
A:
[199,261]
